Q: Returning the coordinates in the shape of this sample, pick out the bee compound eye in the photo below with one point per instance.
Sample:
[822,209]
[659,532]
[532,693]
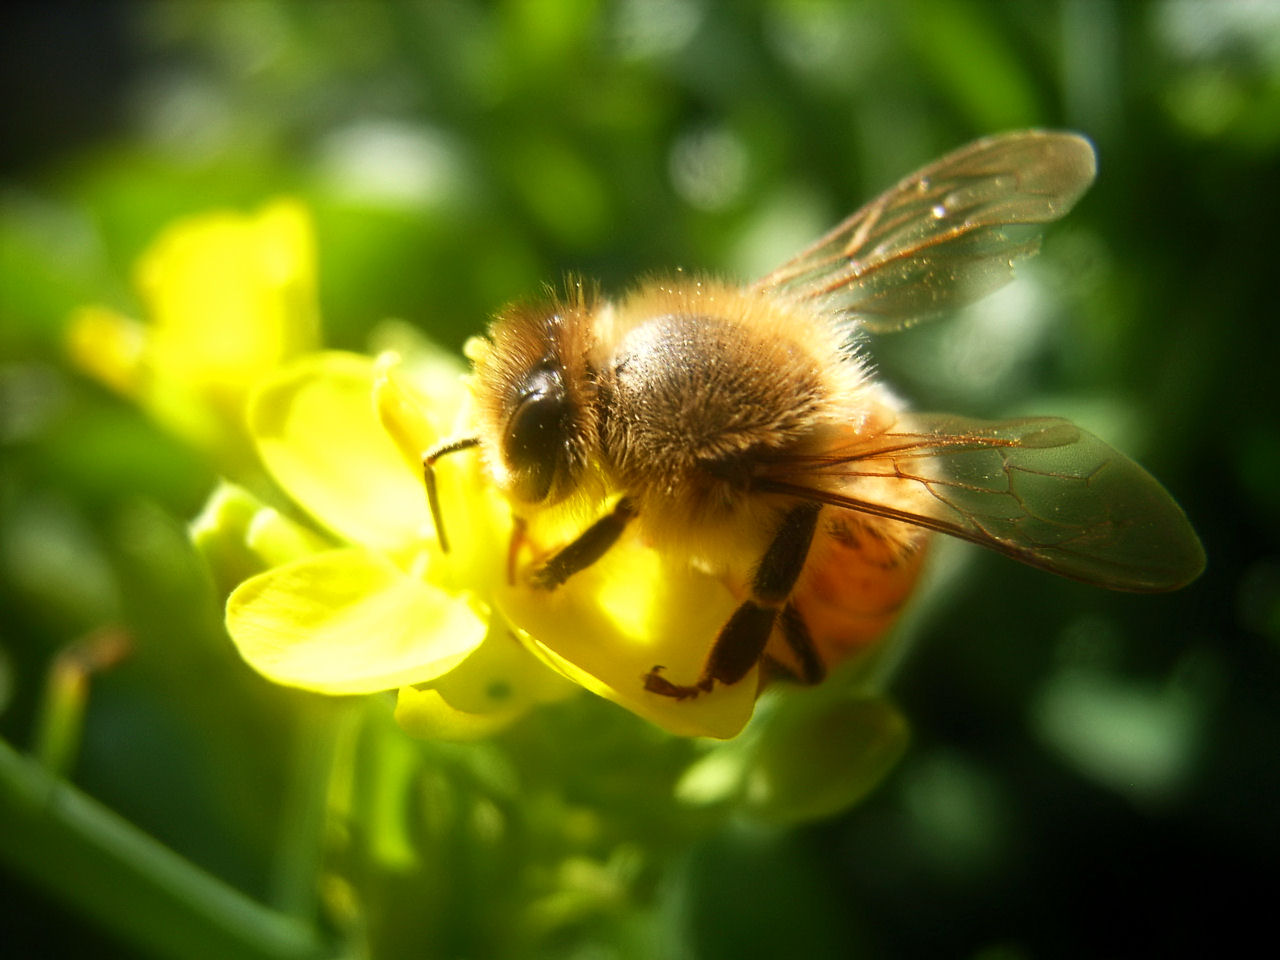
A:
[534,445]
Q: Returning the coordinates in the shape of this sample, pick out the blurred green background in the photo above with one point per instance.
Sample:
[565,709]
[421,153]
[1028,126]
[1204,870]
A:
[1090,774]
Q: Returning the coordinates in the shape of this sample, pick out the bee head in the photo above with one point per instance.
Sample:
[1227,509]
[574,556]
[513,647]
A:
[534,391]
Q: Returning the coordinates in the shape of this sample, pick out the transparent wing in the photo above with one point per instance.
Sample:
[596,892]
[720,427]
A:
[946,235]
[1039,490]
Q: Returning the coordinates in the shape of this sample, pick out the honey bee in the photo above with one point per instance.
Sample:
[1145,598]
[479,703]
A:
[741,426]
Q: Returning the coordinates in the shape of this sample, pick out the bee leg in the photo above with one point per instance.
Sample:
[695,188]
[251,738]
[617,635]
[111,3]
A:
[795,632]
[429,480]
[589,547]
[742,640]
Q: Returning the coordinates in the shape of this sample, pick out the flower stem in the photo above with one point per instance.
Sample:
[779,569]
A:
[60,721]
[107,869]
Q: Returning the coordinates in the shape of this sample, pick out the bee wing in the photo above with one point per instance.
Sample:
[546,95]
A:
[937,240]
[1040,490]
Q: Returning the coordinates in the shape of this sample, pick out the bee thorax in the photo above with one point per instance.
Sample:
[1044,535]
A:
[695,400]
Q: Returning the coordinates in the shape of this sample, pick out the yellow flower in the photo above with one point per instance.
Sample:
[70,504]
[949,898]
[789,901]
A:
[373,603]
[228,297]
[461,635]
[358,597]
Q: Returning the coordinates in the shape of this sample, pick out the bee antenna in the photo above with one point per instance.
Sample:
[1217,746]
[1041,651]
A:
[429,480]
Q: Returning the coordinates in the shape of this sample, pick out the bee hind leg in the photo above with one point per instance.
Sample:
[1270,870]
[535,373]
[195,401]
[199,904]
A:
[741,641]
[808,668]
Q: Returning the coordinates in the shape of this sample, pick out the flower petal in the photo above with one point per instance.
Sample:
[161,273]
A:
[317,431]
[349,621]
[239,536]
[230,296]
[496,684]
[427,395]
[109,347]
[627,613]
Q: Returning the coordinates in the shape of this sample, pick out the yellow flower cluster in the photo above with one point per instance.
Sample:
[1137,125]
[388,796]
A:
[356,596]
[228,299]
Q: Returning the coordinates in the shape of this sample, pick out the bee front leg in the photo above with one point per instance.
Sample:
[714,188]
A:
[742,640]
[586,549]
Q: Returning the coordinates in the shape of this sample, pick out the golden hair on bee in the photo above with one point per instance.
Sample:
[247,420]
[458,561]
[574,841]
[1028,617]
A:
[738,427]
[702,380]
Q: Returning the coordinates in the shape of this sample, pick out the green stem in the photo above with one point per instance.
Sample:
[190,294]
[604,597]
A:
[106,868]
[60,721]
[61,718]
[299,851]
